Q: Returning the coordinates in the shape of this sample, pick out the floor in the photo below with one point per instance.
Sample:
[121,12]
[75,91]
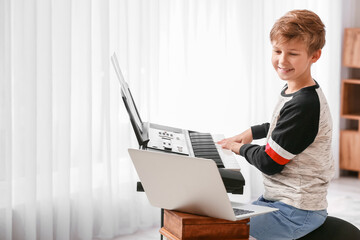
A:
[343,198]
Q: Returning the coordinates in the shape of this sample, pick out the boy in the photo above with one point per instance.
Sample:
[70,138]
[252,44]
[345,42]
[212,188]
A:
[297,162]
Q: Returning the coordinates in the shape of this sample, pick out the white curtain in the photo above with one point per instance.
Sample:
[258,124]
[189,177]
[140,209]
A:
[202,65]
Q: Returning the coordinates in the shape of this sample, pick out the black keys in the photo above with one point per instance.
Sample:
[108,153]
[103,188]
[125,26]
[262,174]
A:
[203,146]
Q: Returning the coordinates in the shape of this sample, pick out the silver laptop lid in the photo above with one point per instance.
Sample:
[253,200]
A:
[182,183]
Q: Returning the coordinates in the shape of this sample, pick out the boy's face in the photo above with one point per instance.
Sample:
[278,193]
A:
[292,61]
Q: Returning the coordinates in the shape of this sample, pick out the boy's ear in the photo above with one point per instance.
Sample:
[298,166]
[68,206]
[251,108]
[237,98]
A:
[315,56]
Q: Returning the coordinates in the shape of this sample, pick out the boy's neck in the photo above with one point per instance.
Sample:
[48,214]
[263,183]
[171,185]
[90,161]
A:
[294,86]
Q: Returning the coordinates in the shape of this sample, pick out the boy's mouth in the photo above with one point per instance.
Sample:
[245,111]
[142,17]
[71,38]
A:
[285,70]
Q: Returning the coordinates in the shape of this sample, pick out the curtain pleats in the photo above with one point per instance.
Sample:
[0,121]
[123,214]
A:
[64,132]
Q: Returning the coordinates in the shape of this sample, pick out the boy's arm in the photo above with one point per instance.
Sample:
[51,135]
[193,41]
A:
[295,130]
[255,132]
[260,131]
[257,156]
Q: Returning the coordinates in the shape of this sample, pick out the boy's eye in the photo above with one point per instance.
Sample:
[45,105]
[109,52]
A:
[277,51]
[294,54]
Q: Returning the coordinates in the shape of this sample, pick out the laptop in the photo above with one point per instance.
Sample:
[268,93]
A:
[188,184]
[171,139]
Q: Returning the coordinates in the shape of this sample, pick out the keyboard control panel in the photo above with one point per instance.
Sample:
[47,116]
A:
[168,141]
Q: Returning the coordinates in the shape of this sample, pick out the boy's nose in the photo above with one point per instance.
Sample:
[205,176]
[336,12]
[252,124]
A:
[282,58]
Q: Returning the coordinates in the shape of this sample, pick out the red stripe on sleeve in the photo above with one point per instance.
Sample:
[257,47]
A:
[274,156]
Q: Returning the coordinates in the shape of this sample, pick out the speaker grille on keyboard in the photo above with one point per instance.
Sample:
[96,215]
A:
[204,147]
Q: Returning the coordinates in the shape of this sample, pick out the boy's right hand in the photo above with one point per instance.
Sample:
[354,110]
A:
[234,143]
[244,138]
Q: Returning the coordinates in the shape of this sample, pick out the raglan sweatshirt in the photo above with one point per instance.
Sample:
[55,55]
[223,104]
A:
[296,162]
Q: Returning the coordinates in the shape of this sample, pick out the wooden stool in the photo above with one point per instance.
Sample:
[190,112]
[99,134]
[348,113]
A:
[184,226]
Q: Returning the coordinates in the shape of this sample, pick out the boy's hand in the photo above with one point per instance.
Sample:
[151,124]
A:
[234,143]
[233,146]
[244,137]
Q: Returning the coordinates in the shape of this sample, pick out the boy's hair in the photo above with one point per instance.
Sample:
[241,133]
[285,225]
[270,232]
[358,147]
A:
[304,25]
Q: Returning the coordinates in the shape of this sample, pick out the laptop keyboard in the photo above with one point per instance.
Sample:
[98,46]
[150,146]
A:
[239,211]
[204,147]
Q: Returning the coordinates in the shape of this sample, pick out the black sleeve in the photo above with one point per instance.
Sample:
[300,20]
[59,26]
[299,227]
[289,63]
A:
[257,156]
[295,130]
[297,126]
[260,131]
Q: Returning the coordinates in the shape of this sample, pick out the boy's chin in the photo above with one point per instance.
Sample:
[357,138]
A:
[284,78]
